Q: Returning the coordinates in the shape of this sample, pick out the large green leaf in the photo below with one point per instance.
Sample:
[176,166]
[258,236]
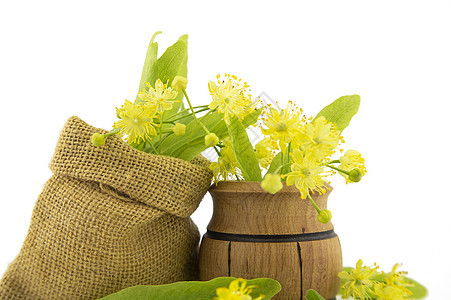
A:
[193,290]
[149,63]
[244,152]
[313,295]
[341,111]
[173,62]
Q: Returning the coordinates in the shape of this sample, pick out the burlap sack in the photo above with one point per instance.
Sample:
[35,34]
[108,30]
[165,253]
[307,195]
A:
[109,218]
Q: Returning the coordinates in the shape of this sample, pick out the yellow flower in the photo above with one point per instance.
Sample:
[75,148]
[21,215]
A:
[179,83]
[158,98]
[320,137]
[352,159]
[136,121]
[358,282]
[396,279]
[384,292]
[272,183]
[237,290]
[283,125]
[226,168]
[179,129]
[264,151]
[305,174]
[231,97]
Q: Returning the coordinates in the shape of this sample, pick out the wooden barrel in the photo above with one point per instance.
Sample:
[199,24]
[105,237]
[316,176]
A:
[255,234]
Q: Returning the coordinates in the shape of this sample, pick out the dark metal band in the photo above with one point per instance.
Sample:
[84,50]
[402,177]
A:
[269,238]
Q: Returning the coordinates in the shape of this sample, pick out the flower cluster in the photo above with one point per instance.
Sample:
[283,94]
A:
[304,147]
[136,120]
[365,282]
[237,290]
[295,150]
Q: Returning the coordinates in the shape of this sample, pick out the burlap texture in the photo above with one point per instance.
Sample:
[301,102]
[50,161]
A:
[108,218]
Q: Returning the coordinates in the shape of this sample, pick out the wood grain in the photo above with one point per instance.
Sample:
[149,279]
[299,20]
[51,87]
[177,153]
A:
[243,208]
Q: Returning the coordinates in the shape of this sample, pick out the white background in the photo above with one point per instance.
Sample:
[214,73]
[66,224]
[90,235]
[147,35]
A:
[59,59]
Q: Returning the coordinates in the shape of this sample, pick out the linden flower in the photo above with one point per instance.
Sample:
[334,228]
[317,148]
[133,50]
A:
[160,97]
[227,167]
[264,151]
[398,280]
[320,137]
[283,125]
[237,290]
[305,174]
[231,97]
[358,282]
[136,122]
[352,159]
[384,292]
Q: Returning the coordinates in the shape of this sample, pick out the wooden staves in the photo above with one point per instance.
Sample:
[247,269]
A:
[256,234]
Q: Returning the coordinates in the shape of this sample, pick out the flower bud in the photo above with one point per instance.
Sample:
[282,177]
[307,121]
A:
[98,139]
[272,183]
[355,175]
[211,139]
[179,83]
[179,129]
[325,216]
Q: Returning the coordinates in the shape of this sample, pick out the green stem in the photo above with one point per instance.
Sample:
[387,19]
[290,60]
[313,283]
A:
[112,132]
[217,151]
[194,115]
[161,132]
[339,170]
[184,116]
[337,161]
[314,204]
[280,167]
[153,147]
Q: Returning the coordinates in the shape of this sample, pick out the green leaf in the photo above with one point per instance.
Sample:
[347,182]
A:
[193,290]
[149,63]
[280,160]
[341,111]
[418,290]
[244,152]
[313,295]
[275,164]
[173,62]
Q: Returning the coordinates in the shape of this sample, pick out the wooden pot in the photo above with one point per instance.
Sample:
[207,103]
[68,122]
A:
[256,234]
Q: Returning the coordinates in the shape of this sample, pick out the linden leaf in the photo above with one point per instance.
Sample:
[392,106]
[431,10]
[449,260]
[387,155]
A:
[244,152]
[313,295]
[194,290]
[149,63]
[418,290]
[341,111]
